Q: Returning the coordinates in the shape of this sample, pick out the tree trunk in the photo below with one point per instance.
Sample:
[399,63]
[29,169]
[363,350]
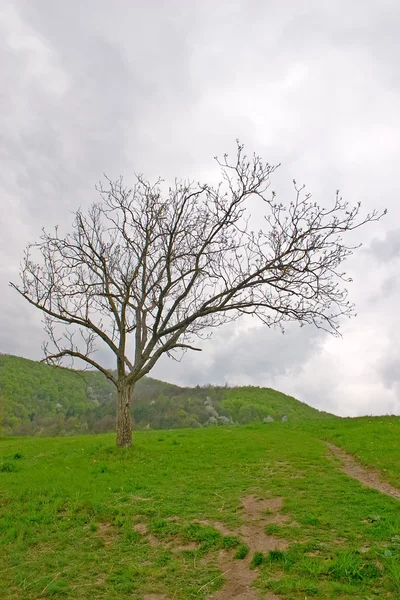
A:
[124,423]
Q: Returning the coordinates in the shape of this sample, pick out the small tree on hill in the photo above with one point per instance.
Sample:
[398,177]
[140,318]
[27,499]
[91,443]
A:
[146,273]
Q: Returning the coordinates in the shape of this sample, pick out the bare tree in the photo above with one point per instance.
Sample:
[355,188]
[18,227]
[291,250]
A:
[146,273]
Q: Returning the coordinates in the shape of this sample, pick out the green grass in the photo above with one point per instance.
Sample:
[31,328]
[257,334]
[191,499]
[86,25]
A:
[374,441]
[74,513]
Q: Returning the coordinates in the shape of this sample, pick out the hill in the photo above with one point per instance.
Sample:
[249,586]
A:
[38,399]
[254,511]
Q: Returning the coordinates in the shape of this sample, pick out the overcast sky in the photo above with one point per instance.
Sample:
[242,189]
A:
[93,86]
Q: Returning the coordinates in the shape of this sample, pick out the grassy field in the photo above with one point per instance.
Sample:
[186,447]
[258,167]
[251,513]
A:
[81,519]
[375,441]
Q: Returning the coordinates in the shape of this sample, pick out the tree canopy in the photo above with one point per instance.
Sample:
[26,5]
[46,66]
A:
[148,271]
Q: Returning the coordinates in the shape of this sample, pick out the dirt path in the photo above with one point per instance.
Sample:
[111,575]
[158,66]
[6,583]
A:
[238,575]
[368,476]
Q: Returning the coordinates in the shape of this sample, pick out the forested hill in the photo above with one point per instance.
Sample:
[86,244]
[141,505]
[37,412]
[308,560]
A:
[38,399]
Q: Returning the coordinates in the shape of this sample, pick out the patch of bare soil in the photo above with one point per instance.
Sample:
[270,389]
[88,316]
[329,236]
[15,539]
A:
[223,530]
[142,529]
[187,547]
[257,513]
[368,476]
[237,573]
[107,533]
[255,519]
[254,506]
[239,578]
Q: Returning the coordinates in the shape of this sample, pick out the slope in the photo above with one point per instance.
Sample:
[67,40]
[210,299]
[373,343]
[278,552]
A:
[38,399]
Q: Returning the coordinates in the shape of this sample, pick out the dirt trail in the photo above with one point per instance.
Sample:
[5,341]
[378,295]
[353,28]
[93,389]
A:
[368,476]
[237,573]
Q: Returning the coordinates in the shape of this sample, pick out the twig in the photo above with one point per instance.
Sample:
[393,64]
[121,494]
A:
[45,588]
[212,580]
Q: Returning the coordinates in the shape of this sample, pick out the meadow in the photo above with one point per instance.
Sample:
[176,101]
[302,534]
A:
[254,511]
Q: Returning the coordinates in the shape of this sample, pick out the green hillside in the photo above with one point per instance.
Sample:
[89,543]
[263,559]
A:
[247,404]
[38,399]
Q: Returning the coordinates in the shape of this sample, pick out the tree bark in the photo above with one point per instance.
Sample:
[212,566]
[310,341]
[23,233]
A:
[124,422]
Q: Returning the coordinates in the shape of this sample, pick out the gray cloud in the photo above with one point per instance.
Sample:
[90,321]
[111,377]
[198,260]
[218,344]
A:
[92,87]
[247,355]
[391,371]
[387,249]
